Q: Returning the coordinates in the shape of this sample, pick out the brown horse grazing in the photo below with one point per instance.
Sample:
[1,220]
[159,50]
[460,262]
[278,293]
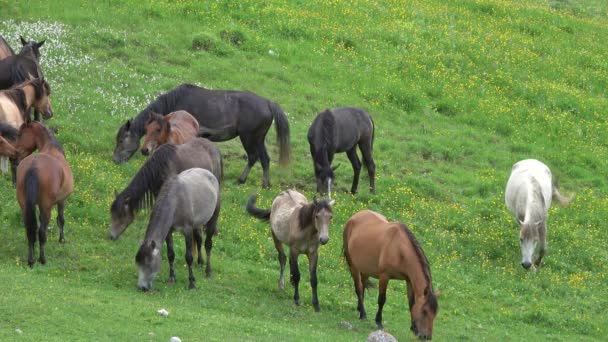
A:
[374,247]
[175,128]
[44,179]
[15,103]
[303,227]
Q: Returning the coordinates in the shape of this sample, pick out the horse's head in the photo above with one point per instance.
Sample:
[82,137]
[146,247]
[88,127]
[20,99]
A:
[32,47]
[148,259]
[122,216]
[7,149]
[30,138]
[322,218]
[127,142]
[42,104]
[157,132]
[325,178]
[528,239]
[423,313]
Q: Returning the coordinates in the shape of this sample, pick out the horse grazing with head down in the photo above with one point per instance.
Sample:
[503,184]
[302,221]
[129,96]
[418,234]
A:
[45,180]
[222,115]
[528,198]
[374,247]
[186,202]
[303,227]
[175,128]
[341,130]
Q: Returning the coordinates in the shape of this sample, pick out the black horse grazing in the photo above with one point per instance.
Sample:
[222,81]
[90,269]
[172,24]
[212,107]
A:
[25,65]
[222,115]
[341,130]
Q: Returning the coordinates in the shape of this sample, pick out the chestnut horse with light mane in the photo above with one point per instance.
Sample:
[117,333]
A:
[44,179]
[374,247]
[176,128]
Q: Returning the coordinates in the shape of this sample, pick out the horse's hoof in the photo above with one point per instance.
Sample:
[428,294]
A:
[240,181]
[61,240]
[191,286]
[171,280]
[317,308]
[208,274]
[363,317]
[42,261]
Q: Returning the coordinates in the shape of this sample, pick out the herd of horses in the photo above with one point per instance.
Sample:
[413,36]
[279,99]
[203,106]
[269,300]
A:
[181,182]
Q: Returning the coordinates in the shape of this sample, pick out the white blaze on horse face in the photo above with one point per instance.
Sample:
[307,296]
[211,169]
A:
[148,271]
[329,188]
[528,243]
[322,220]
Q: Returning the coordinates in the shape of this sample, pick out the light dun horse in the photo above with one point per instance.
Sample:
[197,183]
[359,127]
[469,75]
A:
[175,128]
[44,180]
[303,227]
[185,203]
[528,197]
[374,247]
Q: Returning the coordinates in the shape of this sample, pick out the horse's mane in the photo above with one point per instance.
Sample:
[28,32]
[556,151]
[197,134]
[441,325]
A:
[145,186]
[537,214]
[307,211]
[424,262]
[8,131]
[164,104]
[53,139]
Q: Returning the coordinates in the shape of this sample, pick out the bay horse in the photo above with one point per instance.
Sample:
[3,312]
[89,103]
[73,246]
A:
[175,128]
[528,198]
[341,130]
[186,202]
[303,227]
[21,67]
[222,115]
[168,161]
[374,247]
[45,180]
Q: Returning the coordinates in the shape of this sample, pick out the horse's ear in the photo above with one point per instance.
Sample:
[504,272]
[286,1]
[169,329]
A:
[128,124]
[23,42]
[40,43]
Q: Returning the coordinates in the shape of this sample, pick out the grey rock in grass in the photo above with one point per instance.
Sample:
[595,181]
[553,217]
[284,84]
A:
[380,336]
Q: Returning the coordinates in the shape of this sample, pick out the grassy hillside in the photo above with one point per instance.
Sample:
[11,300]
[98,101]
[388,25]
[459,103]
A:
[459,91]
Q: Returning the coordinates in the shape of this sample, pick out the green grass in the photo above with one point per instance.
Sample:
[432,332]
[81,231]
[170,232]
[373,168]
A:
[459,91]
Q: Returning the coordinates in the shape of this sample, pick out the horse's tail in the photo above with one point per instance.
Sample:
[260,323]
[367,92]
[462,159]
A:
[261,214]
[32,190]
[564,201]
[282,128]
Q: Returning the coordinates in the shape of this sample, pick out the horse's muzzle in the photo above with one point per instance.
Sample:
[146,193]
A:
[323,239]
[526,265]
[145,151]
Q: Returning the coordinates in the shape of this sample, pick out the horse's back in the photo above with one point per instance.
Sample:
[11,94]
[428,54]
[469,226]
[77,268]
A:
[55,178]
[200,152]
[527,176]
[9,112]
[283,207]
[353,125]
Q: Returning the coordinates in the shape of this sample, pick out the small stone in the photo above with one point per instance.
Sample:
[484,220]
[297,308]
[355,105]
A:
[19,331]
[346,325]
[380,336]
[175,339]
[163,312]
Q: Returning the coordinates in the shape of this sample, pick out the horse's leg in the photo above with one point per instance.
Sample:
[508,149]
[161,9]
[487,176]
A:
[31,240]
[208,246]
[14,163]
[366,153]
[282,260]
[294,274]
[411,300]
[356,163]
[313,258]
[189,259]
[45,216]
[359,291]
[542,237]
[210,230]
[60,220]
[252,157]
[171,257]
[265,161]
[382,285]
[198,237]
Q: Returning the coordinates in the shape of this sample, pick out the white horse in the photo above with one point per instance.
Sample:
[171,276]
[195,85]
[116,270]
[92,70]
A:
[528,197]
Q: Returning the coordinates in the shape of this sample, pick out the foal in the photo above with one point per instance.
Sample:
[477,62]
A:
[175,128]
[303,227]
[44,179]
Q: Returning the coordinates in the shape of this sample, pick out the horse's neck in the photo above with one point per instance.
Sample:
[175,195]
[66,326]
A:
[163,214]
[417,277]
[30,95]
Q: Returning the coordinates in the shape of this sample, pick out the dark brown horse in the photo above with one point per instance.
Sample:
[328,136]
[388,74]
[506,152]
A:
[341,130]
[174,128]
[45,180]
[374,247]
[222,115]
[166,162]
[18,68]
[303,227]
